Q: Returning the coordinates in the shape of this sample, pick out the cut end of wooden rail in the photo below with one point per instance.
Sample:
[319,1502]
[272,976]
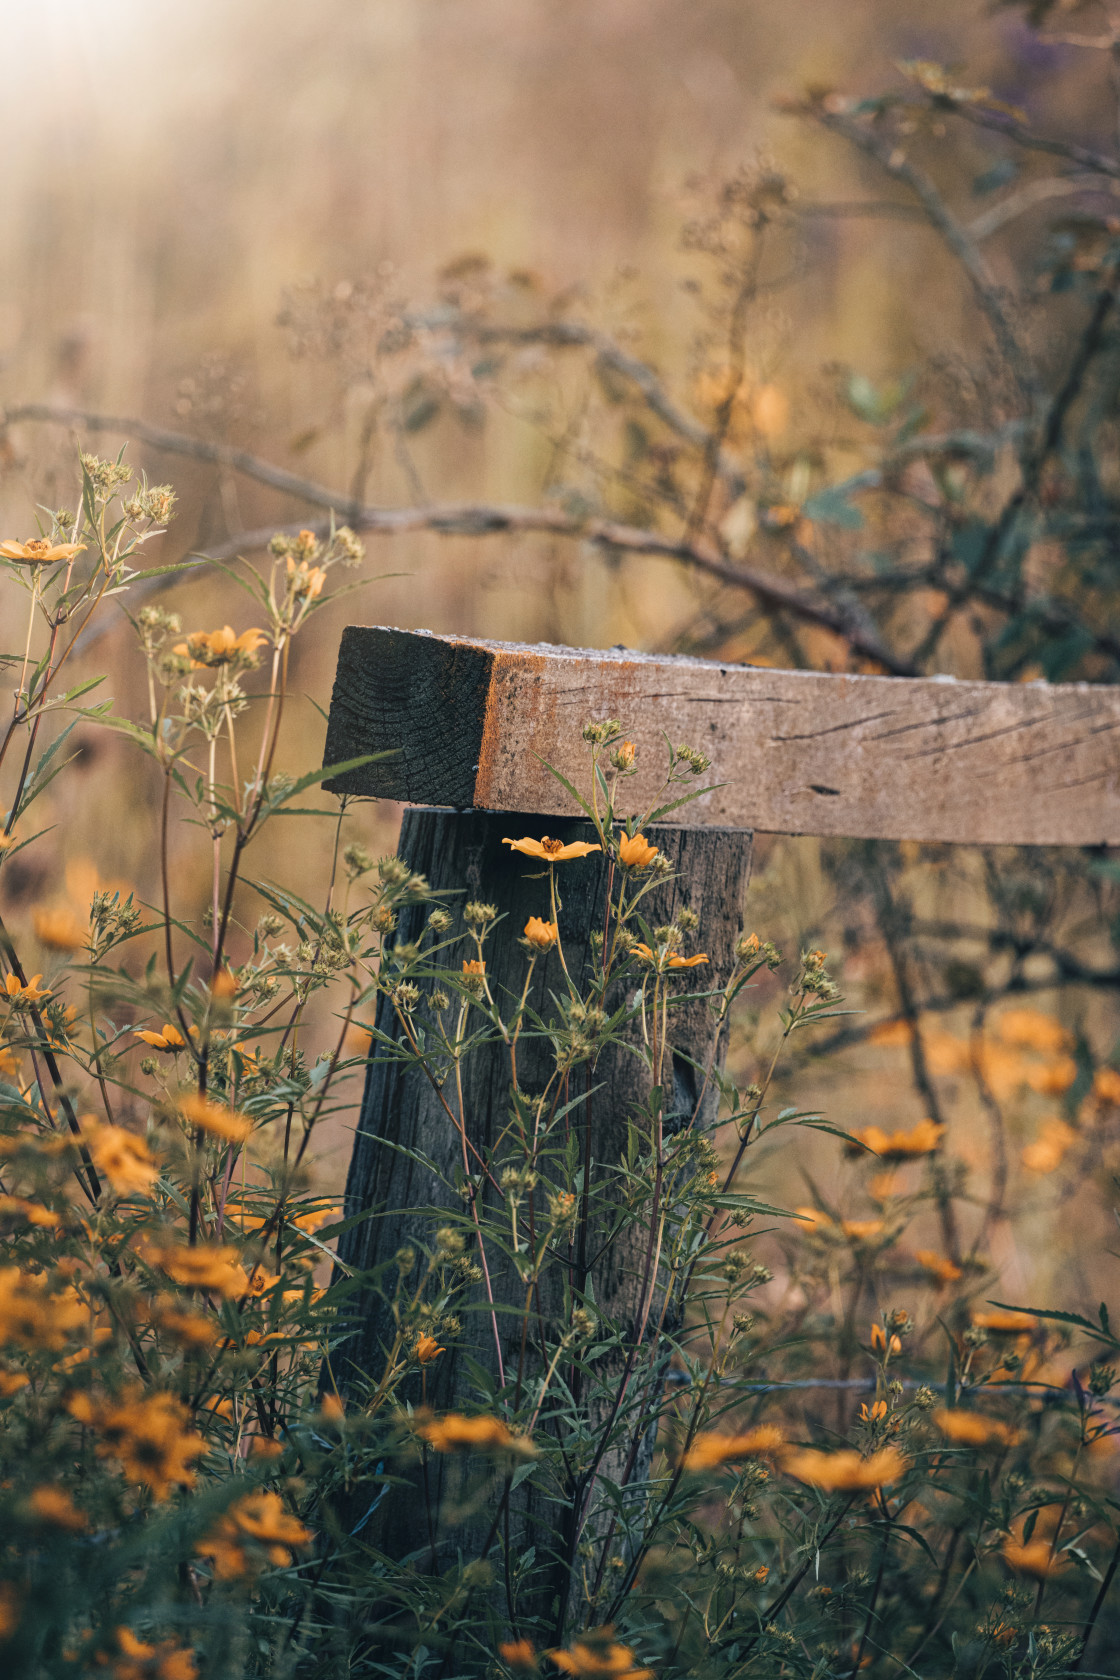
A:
[797,752]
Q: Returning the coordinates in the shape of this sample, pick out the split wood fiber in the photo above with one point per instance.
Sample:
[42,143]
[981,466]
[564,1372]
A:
[798,752]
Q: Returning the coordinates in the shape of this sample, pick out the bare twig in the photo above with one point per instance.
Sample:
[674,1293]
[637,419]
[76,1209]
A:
[956,236]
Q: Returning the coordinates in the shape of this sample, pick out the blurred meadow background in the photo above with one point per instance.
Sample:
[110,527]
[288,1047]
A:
[263,226]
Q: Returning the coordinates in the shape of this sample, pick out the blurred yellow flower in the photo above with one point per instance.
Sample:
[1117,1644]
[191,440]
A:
[519,1654]
[595,1656]
[973,1429]
[1032,1030]
[943,1269]
[844,1471]
[214,1118]
[60,929]
[257,1520]
[33,1316]
[709,1450]
[483,1433]
[137,1660]
[922,1139]
[1054,1139]
[1054,1078]
[205,1266]
[124,1158]
[191,1330]
[1106,1085]
[54,1506]
[147,1436]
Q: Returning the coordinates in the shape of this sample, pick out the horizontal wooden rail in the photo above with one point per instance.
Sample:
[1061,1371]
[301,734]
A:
[797,752]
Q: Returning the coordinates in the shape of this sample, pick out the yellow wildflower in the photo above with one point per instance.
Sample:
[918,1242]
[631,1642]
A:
[305,582]
[922,1139]
[214,1118]
[1032,1030]
[484,1433]
[33,1316]
[1004,1321]
[1045,1154]
[137,1660]
[1106,1085]
[53,1505]
[635,851]
[540,934]
[145,1434]
[943,1269]
[37,551]
[595,1656]
[206,1266]
[427,1349]
[254,1530]
[210,648]
[973,1429]
[552,851]
[671,959]
[15,1210]
[28,991]
[60,930]
[192,1330]
[1036,1556]
[1053,1078]
[709,1450]
[519,1655]
[124,1158]
[474,965]
[879,1341]
[170,1038]
[844,1471]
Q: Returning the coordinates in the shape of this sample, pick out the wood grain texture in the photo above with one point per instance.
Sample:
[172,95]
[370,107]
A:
[403,1123]
[799,752]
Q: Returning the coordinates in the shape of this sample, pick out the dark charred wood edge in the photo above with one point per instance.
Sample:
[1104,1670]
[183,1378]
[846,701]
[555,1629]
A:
[417,696]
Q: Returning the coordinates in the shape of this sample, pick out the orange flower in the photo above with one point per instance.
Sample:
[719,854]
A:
[260,1282]
[709,1450]
[54,1506]
[1106,1085]
[19,993]
[146,1435]
[1036,1556]
[206,1266]
[60,930]
[191,1330]
[33,1317]
[1045,1154]
[635,851]
[1004,1321]
[921,1139]
[214,1118]
[891,1034]
[255,1530]
[125,1159]
[879,1340]
[169,1039]
[37,551]
[11,1382]
[875,1413]
[552,851]
[973,1429]
[1032,1030]
[332,1408]
[844,1471]
[671,959]
[211,648]
[484,1433]
[595,1656]
[19,1211]
[542,935]
[140,1661]
[427,1349]
[474,965]
[518,1654]
[1054,1078]
[861,1230]
[943,1269]
[305,582]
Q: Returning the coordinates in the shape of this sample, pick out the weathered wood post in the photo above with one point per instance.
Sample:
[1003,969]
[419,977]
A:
[796,752]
